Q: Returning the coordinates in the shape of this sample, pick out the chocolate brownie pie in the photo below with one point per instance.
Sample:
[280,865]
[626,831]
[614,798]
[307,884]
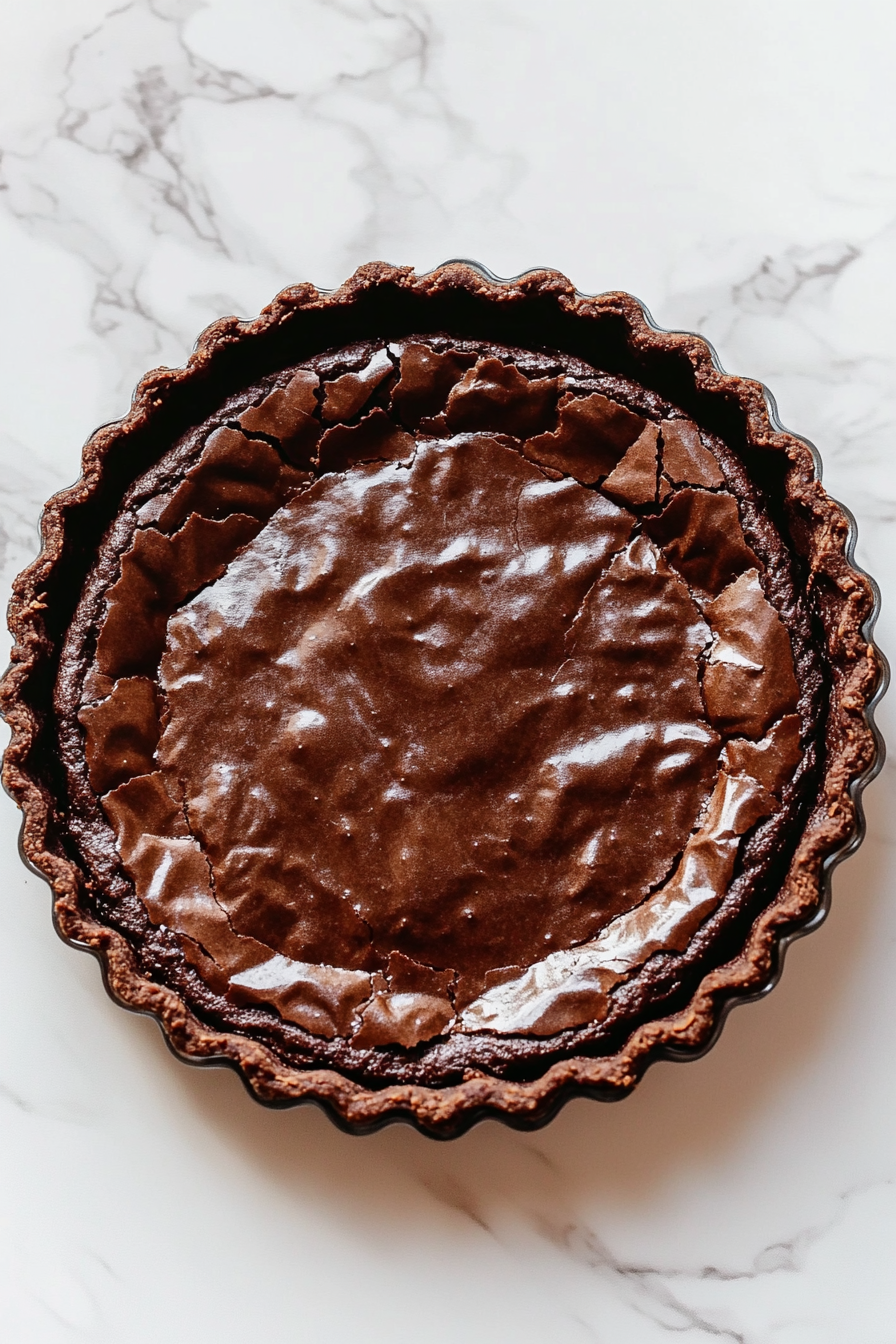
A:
[442,696]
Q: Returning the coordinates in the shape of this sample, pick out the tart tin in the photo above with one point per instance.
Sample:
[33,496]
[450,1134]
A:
[538,308]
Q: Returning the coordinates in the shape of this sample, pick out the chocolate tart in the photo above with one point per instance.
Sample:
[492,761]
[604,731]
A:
[441,697]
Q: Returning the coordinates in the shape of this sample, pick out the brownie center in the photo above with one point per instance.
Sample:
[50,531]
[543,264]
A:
[449,709]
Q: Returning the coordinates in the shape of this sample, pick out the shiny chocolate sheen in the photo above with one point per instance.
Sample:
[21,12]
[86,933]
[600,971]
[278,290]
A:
[424,705]
[438,689]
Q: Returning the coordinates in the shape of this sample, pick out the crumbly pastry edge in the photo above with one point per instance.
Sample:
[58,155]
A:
[833,830]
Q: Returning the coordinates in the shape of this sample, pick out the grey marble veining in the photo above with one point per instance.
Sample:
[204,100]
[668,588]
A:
[164,162]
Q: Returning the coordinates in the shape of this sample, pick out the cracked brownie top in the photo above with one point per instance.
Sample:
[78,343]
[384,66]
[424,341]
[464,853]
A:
[430,700]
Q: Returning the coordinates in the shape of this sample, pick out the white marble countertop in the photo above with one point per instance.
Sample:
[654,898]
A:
[168,161]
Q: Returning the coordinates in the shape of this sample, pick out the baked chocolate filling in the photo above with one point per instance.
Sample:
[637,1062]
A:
[436,706]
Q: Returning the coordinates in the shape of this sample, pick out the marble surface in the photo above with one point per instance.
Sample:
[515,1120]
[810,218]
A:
[163,162]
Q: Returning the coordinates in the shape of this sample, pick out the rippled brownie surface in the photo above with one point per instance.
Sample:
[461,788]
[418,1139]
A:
[435,698]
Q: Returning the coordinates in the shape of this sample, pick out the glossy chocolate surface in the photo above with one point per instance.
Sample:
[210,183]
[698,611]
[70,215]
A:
[434,694]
